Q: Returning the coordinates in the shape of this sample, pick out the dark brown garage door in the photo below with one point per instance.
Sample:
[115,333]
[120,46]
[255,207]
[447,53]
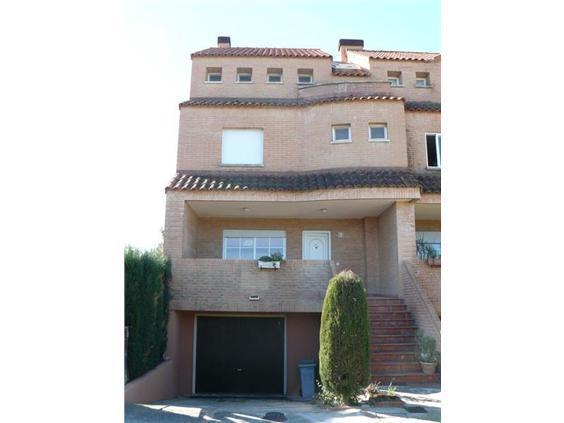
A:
[240,355]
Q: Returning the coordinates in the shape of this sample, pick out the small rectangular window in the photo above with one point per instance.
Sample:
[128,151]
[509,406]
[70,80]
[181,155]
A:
[341,133]
[433,142]
[394,78]
[244,75]
[213,74]
[378,132]
[305,76]
[242,147]
[274,75]
[422,80]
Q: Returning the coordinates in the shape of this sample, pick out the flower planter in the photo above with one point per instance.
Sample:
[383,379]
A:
[434,262]
[268,264]
[428,368]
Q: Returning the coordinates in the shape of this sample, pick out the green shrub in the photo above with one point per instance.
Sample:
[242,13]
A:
[147,275]
[343,339]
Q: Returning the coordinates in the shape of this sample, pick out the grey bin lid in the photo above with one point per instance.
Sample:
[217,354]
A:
[307,363]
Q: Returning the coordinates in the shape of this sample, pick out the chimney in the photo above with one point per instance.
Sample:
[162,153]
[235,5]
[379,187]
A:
[223,42]
[348,44]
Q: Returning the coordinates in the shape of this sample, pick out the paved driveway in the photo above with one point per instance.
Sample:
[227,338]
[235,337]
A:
[422,404]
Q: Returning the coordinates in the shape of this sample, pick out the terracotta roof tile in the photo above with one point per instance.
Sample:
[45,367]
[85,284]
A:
[303,181]
[350,72]
[422,106]
[287,102]
[430,181]
[399,55]
[261,52]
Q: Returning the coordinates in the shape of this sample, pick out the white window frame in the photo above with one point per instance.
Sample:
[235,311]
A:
[425,83]
[392,79]
[341,126]
[310,76]
[238,80]
[378,125]
[437,148]
[268,81]
[252,233]
[214,82]
[223,163]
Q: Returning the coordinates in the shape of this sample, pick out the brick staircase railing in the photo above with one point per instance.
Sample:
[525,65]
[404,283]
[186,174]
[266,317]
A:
[419,304]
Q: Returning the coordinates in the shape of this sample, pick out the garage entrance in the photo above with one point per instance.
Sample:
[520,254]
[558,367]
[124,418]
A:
[240,355]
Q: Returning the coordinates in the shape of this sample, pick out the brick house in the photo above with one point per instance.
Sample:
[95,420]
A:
[335,164]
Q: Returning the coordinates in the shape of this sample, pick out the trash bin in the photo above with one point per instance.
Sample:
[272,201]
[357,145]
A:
[307,377]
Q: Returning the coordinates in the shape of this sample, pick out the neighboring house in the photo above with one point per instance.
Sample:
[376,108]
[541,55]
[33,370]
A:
[333,164]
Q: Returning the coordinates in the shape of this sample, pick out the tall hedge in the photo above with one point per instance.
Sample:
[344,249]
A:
[343,343]
[147,275]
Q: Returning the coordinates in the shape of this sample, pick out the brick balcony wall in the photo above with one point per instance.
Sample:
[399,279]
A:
[225,285]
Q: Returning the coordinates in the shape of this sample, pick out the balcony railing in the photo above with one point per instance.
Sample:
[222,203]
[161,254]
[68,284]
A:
[238,285]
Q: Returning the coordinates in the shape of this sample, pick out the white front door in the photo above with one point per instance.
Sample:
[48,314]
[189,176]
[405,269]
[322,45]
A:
[316,245]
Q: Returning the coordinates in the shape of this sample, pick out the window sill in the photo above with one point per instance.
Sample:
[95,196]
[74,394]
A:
[304,83]
[241,165]
[433,168]
[275,83]
[341,142]
[244,82]
[379,140]
[397,86]
[427,86]
[213,82]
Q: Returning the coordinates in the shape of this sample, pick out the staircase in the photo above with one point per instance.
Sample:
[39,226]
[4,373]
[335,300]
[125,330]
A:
[393,356]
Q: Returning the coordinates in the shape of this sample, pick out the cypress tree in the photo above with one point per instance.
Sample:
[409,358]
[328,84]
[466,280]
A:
[343,343]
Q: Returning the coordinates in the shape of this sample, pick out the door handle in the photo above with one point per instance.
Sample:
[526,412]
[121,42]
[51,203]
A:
[239,370]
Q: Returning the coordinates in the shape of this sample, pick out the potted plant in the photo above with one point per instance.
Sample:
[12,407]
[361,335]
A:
[428,356]
[433,257]
[270,262]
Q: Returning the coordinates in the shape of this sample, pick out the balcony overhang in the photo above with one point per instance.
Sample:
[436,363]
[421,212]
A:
[316,209]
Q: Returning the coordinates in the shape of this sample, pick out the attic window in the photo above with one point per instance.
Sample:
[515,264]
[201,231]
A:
[213,75]
[422,80]
[244,75]
[305,76]
[274,75]
[394,78]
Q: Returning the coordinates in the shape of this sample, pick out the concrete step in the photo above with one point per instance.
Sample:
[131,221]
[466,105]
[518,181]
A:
[385,308]
[391,323]
[393,356]
[399,347]
[395,367]
[406,378]
[397,330]
[391,339]
[383,301]
[374,316]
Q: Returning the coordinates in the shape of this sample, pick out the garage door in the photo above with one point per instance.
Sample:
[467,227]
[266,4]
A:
[240,355]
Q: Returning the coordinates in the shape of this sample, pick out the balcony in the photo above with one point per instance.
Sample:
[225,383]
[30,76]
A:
[202,284]
[343,88]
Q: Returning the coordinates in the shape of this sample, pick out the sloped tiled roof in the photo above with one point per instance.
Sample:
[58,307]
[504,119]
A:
[430,181]
[399,55]
[288,102]
[261,52]
[350,72]
[302,181]
[422,106]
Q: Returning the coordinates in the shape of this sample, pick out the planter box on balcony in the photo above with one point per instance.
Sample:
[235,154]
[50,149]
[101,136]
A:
[434,262]
[268,265]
